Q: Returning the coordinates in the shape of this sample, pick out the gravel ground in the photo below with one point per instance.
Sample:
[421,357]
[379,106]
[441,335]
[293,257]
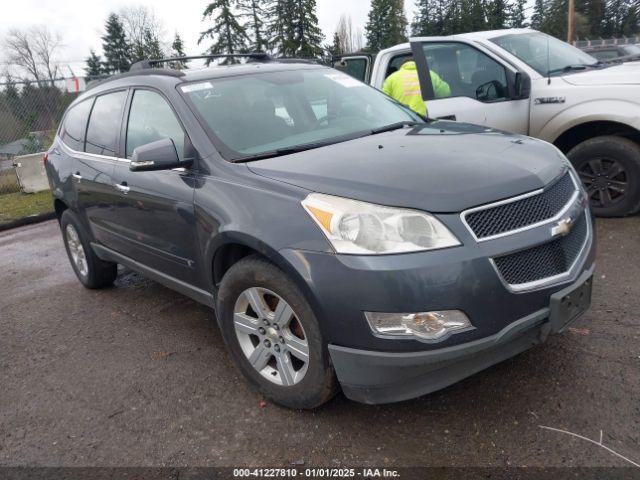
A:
[138,375]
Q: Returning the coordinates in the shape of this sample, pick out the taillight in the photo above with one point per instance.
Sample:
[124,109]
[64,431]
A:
[45,158]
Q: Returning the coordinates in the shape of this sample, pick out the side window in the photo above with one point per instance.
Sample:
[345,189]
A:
[104,124]
[604,54]
[150,119]
[357,67]
[459,70]
[396,63]
[75,125]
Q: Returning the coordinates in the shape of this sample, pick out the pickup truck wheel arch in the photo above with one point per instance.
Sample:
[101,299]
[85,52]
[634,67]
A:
[585,131]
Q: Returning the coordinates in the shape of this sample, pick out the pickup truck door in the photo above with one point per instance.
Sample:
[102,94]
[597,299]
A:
[155,209]
[357,65]
[478,87]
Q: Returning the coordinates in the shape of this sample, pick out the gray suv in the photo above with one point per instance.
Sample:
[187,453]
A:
[342,240]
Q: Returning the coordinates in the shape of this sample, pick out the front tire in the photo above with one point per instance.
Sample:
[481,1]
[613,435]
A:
[91,271]
[273,335]
[609,167]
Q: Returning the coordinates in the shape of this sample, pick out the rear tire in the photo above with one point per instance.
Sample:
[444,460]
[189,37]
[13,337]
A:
[273,335]
[609,167]
[91,271]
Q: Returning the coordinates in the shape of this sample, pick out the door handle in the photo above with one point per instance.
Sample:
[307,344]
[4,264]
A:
[122,187]
[77,177]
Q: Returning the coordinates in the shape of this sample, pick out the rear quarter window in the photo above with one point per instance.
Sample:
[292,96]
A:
[104,124]
[75,125]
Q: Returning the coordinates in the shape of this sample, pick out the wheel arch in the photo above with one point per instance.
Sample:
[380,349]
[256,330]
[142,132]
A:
[576,134]
[59,207]
[228,248]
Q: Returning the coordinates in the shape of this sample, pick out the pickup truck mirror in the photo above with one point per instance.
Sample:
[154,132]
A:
[158,155]
[490,91]
[521,86]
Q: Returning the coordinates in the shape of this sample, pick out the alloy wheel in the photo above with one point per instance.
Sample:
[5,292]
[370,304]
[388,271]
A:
[271,336]
[605,180]
[76,250]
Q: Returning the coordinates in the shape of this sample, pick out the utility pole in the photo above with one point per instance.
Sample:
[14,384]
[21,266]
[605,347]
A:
[570,21]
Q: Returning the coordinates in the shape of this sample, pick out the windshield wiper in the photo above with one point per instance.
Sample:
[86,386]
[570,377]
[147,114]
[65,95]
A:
[283,151]
[569,68]
[395,126]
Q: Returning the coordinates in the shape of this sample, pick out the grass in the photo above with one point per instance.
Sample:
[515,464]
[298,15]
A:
[14,206]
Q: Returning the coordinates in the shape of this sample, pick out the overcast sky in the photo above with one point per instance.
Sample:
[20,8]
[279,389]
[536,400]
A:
[81,22]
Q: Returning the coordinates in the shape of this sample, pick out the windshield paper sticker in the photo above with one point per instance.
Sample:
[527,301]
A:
[196,87]
[344,80]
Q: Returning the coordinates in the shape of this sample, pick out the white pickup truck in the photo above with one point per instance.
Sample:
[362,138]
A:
[526,82]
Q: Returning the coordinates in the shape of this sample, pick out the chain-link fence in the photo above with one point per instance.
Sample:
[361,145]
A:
[29,116]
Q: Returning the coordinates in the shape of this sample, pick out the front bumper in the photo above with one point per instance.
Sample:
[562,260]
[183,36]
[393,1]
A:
[383,377]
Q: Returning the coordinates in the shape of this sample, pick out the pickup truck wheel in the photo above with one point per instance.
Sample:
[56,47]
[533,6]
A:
[273,335]
[90,270]
[609,167]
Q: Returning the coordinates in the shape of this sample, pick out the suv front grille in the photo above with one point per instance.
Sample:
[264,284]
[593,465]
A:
[505,217]
[542,262]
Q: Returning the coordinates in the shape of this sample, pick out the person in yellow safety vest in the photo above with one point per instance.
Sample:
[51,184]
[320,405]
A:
[404,86]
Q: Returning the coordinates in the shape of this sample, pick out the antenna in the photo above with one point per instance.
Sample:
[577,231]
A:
[548,62]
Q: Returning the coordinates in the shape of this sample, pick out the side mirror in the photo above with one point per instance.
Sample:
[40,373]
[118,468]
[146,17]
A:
[521,86]
[158,155]
[490,91]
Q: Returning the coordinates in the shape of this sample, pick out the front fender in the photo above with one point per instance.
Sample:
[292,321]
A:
[619,111]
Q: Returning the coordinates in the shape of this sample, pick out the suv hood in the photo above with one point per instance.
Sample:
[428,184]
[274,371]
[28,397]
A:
[441,167]
[624,74]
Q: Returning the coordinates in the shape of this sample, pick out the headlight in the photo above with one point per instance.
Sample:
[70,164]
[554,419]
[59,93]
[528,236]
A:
[434,326]
[368,229]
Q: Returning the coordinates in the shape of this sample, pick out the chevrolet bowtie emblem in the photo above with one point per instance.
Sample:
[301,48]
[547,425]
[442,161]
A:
[563,227]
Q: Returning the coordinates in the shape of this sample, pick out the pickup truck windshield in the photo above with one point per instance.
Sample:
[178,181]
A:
[275,113]
[545,54]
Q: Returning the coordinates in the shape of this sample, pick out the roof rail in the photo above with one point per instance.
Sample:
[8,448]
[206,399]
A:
[149,63]
[155,71]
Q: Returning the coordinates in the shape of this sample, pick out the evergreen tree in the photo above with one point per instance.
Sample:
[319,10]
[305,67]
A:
[517,17]
[496,14]
[152,48]
[280,27]
[94,65]
[595,15]
[539,14]
[336,48]
[424,19]
[472,16]
[631,25]
[307,35]
[387,24]
[177,50]
[226,32]
[146,47]
[115,47]
[293,29]
[254,12]
[555,21]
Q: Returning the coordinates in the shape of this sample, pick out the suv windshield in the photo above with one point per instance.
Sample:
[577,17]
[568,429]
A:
[545,54]
[274,113]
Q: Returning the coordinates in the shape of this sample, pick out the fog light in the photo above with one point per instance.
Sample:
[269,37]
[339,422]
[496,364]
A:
[427,325]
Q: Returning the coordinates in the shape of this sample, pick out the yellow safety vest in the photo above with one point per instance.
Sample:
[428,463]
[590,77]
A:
[404,86]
